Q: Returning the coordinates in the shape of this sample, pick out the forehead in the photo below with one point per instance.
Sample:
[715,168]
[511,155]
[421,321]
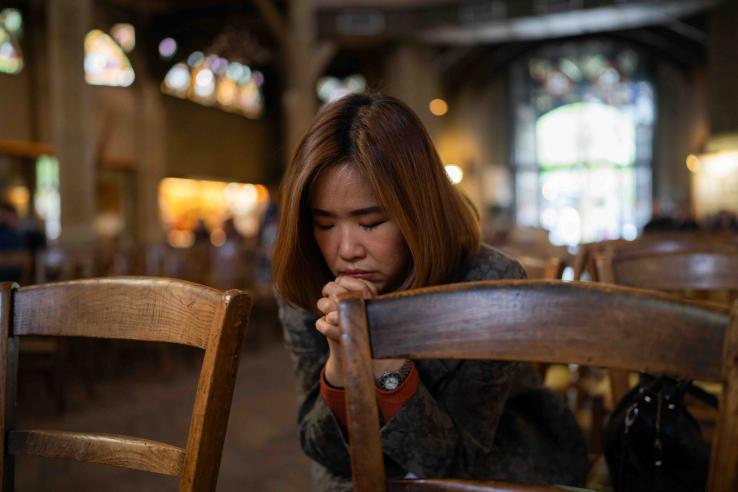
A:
[342,187]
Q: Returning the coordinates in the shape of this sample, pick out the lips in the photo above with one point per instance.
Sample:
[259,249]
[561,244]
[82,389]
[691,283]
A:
[362,274]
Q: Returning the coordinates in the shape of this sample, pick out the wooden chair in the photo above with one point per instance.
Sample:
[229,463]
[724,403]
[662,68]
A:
[712,267]
[551,268]
[130,308]
[544,321]
[585,260]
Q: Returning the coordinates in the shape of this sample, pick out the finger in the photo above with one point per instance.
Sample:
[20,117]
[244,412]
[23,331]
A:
[328,330]
[332,318]
[357,285]
[332,289]
[326,305]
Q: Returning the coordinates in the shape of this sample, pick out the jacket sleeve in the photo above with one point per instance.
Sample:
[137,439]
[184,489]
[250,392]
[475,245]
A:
[320,434]
[449,425]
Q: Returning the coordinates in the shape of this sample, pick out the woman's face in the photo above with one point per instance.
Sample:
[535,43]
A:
[355,235]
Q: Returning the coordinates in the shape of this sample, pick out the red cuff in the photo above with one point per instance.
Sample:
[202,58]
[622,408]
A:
[335,398]
[389,402]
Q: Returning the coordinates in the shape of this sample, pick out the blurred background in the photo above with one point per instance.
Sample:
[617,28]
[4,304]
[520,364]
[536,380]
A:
[149,137]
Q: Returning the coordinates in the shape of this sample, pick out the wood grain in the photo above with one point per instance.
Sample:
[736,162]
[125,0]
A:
[670,265]
[8,380]
[106,449]
[214,394]
[367,461]
[724,456]
[175,311]
[134,308]
[560,322]
[537,321]
[677,270]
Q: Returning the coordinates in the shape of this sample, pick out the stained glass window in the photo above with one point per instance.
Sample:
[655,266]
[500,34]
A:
[331,88]
[47,198]
[11,29]
[215,81]
[105,61]
[124,35]
[584,127]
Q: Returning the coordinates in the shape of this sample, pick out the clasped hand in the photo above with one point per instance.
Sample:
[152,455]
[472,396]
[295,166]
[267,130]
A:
[329,327]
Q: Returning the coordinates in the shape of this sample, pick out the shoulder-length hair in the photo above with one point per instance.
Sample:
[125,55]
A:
[390,147]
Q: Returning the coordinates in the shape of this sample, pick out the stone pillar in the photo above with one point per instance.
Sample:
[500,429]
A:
[411,75]
[723,70]
[299,99]
[150,163]
[72,133]
[150,148]
[680,132]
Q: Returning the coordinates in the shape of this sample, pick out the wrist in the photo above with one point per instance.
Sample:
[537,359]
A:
[333,373]
[391,379]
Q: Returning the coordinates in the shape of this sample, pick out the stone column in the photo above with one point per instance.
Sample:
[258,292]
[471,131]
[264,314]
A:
[723,70]
[72,133]
[410,74]
[150,138]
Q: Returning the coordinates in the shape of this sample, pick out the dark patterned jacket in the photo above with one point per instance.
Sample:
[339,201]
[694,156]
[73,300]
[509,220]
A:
[468,419]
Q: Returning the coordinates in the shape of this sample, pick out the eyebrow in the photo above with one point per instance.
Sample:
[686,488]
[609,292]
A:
[353,213]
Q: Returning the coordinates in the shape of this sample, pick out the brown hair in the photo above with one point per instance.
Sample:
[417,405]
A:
[388,144]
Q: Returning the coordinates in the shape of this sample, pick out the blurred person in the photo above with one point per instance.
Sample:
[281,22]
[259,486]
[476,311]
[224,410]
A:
[724,221]
[33,233]
[367,207]
[201,232]
[11,241]
[10,236]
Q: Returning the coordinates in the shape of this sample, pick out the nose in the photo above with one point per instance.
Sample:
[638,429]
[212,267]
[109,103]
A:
[350,246]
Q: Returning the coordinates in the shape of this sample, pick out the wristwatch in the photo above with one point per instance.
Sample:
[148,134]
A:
[391,380]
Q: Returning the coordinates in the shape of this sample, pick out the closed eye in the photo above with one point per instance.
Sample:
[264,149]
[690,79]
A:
[371,226]
[323,227]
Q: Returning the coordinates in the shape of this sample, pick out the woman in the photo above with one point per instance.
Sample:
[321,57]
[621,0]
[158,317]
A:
[367,207]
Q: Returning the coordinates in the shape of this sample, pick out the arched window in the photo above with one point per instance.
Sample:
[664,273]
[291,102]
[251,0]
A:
[584,127]
[215,81]
[11,29]
[105,61]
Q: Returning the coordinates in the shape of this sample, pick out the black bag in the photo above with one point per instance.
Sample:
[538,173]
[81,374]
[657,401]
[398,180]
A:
[652,443]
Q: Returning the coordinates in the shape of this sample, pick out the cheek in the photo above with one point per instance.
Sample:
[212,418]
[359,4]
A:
[324,240]
[394,252]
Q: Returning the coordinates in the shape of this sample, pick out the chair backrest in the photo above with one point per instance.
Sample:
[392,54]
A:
[538,321]
[130,308]
[551,268]
[649,244]
[670,266]
[705,268]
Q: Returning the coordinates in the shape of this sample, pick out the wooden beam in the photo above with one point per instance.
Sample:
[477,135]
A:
[275,21]
[21,148]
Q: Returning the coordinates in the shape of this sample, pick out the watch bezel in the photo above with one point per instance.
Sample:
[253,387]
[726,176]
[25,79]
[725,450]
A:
[388,378]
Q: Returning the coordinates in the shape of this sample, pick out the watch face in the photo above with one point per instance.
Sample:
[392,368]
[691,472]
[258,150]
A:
[389,381]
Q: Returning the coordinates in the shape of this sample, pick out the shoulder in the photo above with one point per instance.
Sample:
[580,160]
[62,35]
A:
[292,316]
[489,263]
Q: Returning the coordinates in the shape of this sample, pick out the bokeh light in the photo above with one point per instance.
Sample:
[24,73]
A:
[438,107]
[693,163]
[167,48]
[455,173]
[124,35]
